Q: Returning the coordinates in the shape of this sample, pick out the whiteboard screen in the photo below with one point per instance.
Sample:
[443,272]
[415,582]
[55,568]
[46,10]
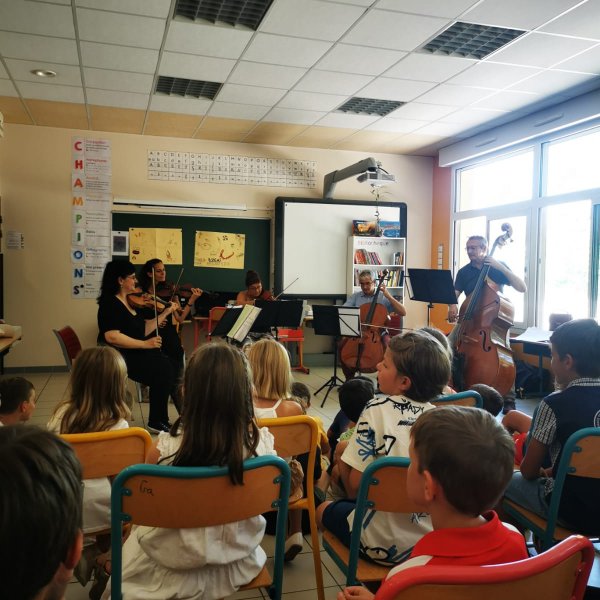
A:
[311,242]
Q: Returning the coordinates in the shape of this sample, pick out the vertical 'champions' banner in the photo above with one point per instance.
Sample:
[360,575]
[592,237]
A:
[91,201]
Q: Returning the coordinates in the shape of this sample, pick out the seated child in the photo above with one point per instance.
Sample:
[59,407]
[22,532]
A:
[301,394]
[461,460]
[17,400]
[492,398]
[576,366]
[414,369]
[441,337]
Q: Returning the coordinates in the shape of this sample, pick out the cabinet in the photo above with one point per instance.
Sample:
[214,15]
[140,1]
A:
[377,254]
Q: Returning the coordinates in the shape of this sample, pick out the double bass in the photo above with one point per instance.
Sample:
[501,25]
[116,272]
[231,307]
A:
[482,341]
[363,353]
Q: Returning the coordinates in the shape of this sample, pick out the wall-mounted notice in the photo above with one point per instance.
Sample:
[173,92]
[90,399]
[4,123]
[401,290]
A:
[219,250]
[166,165]
[146,244]
[91,202]
[15,240]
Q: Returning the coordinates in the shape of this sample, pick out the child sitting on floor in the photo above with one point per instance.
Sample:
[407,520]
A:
[414,370]
[461,460]
[17,400]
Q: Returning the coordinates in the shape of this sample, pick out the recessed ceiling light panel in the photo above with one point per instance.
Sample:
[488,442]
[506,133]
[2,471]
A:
[369,106]
[43,73]
[247,13]
[177,86]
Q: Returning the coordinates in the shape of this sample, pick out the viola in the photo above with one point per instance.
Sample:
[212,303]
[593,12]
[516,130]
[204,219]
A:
[482,340]
[139,300]
[362,354]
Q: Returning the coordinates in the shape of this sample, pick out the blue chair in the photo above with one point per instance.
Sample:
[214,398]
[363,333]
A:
[382,487]
[580,458]
[466,398]
[152,495]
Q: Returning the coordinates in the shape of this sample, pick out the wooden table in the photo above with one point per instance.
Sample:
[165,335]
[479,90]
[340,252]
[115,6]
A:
[6,344]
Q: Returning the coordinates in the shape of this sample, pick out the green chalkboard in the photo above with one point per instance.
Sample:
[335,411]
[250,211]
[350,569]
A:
[257,251]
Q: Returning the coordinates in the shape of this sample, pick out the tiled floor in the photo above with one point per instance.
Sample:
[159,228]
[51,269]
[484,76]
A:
[299,581]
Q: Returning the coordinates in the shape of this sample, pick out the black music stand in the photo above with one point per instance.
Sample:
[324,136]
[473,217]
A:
[278,313]
[337,321]
[434,286]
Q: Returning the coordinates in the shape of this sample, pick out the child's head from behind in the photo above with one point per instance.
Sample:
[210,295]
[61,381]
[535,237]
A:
[467,452]
[301,393]
[576,347]
[17,400]
[217,416]
[354,395]
[441,337]
[98,388]
[491,397]
[270,369]
[40,512]
[415,365]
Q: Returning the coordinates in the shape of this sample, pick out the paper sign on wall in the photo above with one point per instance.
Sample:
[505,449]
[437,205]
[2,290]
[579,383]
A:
[219,250]
[145,244]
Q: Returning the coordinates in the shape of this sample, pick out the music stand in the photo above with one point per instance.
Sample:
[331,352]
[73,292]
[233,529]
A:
[278,313]
[337,321]
[433,286]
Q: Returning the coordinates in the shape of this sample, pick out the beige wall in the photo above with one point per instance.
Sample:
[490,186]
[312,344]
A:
[35,176]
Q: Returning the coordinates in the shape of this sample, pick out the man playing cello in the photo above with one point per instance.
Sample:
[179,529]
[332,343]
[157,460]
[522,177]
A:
[466,280]
[365,296]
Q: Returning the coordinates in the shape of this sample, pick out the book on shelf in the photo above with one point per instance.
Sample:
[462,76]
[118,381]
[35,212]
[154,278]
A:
[398,258]
[365,257]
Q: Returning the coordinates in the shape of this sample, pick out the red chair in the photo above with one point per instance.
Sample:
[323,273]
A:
[285,336]
[560,573]
[69,344]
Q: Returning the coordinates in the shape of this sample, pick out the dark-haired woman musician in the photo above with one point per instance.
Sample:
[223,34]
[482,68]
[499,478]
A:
[254,290]
[126,329]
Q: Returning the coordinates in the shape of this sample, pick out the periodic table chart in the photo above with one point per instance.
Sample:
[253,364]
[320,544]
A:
[222,168]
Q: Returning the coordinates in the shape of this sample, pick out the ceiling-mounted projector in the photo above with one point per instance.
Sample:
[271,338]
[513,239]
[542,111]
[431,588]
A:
[369,170]
[376,178]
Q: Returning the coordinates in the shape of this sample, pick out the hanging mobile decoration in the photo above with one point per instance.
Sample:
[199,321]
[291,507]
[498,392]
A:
[378,232]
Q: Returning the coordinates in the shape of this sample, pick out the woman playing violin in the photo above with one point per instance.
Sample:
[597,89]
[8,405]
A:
[126,329]
[254,290]
[152,277]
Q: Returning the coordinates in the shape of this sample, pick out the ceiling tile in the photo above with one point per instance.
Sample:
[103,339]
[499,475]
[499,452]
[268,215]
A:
[121,120]
[239,111]
[233,125]
[446,9]
[396,125]
[443,129]
[493,75]
[249,94]
[290,115]
[552,82]
[540,50]
[472,116]
[586,62]
[363,3]
[188,66]
[280,50]
[3,73]
[336,119]
[65,74]
[346,58]
[32,47]
[583,21]
[119,28]
[119,58]
[58,114]
[312,101]
[37,18]
[273,133]
[426,67]
[248,73]
[507,100]
[517,14]
[207,40]
[219,135]
[454,95]
[171,125]
[367,141]
[13,111]
[419,111]
[381,28]
[404,90]
[7,88]
[310,19]
[120,81]
[329,82]
[176,104]
[119,99]
[148,8]
[43,91]
[320,137]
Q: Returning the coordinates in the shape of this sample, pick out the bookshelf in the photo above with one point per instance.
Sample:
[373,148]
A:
[377,254]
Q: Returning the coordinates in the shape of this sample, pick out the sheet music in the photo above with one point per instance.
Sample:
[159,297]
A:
[534,334]
[349,321]
[244,322]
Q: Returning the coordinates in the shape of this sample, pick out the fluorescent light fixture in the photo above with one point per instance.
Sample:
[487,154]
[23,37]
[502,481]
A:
[158,204]
[43,73]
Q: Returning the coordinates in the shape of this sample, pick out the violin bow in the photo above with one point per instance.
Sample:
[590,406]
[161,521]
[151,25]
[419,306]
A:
[176,285]
[285,288]
[154,297]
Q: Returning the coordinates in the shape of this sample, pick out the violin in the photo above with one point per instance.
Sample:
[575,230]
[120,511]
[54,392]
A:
[139,300]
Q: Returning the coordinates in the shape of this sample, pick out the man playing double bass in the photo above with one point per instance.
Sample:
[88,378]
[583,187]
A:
[365,296]
[466,280]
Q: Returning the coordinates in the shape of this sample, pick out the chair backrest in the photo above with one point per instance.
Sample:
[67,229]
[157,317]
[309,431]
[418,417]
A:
[107,453]
[466,398]
[214,316]
[558,574]
[153,495]
[69,344]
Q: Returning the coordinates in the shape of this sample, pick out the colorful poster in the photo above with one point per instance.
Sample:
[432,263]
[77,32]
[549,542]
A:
[145,244]
[219,250]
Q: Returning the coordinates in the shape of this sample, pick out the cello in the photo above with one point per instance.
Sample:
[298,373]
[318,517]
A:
[482,342]
[363,353]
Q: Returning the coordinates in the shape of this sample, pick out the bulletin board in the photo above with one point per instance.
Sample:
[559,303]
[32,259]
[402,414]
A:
[257,233]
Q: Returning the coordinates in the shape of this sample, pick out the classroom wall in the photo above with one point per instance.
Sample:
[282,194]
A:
[35,174]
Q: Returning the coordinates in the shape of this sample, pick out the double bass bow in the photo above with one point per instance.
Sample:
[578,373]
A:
[482,339]
[363,353]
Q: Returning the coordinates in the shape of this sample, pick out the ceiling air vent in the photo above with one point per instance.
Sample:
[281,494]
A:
[176,86]
[248,13]
[369,106]
[470,40]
